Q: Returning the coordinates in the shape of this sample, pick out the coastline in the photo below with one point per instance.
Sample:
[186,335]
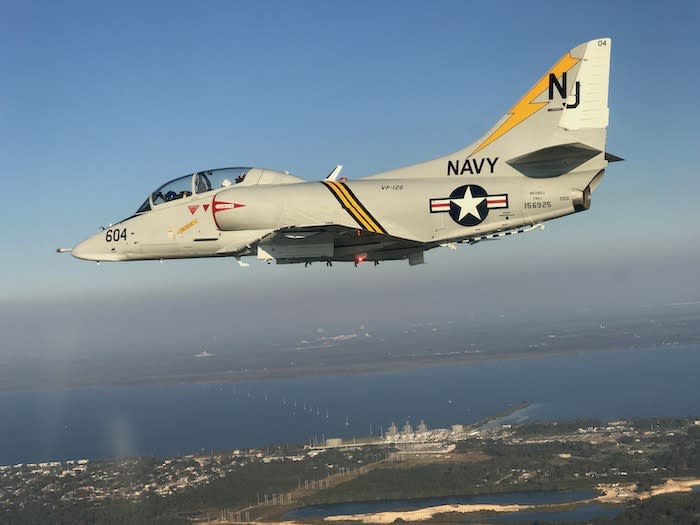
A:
[612,494]
[360,368]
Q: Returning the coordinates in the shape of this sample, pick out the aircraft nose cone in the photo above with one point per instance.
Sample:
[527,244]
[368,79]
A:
[85,250]
[80,251]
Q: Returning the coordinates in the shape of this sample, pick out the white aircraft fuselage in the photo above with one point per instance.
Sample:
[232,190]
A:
[541,161]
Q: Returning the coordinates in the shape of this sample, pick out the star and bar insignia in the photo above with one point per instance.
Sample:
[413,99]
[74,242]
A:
[469,205]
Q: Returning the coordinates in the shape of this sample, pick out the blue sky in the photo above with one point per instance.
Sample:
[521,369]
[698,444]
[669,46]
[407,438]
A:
[103,101]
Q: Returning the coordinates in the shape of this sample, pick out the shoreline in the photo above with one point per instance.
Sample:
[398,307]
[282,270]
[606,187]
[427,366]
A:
[267,374]
[612,494]
[430,512]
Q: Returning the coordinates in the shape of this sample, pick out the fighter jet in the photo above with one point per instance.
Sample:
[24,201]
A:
[542,160]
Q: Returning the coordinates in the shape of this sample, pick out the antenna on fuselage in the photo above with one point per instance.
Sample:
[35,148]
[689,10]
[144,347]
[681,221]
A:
[333,175]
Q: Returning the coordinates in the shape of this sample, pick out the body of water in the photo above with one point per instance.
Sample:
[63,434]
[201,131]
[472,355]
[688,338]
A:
[170,420]
[372,507]
[587,511]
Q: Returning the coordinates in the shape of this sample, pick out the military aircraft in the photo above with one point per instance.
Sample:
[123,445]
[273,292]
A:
[540,161]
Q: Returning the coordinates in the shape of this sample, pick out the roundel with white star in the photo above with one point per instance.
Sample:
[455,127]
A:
[468,205]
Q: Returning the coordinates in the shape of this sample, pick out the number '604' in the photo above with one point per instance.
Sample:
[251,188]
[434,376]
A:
[115,235]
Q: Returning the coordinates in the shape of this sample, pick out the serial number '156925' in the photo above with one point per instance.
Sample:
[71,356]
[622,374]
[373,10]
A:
[538,204]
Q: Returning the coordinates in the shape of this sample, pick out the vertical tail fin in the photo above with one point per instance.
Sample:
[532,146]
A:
[568,104]
[558,125]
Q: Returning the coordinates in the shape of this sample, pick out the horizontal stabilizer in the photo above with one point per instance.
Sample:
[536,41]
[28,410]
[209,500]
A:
[553,161]
[612,158]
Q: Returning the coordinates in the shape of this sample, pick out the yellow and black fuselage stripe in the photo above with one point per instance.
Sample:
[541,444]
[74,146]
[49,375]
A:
[353,206]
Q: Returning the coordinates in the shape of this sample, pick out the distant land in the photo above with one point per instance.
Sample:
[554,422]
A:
[358,350]
[580,471]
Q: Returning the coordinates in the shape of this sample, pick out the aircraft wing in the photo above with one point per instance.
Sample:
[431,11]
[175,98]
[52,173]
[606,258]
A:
[334,242]
[328,242]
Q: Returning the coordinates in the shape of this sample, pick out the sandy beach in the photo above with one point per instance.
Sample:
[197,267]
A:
[427,513]
[622,493]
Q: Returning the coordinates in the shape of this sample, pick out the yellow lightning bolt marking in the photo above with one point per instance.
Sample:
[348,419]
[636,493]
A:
[525,107]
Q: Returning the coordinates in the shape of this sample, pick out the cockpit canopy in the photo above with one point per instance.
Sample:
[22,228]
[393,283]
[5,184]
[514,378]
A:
[201,182]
